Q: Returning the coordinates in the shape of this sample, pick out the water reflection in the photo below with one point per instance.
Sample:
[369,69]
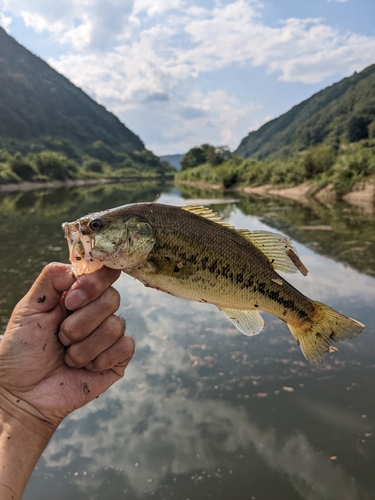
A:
[203,411]
[342,232]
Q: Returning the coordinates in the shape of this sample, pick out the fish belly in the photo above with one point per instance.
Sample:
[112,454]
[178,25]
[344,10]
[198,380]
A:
[227,286]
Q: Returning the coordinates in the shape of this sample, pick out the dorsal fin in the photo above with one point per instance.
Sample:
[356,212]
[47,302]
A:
[278,249]
[207,213]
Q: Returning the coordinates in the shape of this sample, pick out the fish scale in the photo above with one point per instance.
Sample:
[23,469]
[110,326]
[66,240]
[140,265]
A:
[224,255]
[191,253]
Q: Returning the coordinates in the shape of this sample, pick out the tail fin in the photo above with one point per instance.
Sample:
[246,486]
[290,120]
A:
[329,326]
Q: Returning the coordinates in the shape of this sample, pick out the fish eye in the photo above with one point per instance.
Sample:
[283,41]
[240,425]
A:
[96,224]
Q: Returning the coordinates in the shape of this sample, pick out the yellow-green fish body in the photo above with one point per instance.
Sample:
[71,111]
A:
[191,253]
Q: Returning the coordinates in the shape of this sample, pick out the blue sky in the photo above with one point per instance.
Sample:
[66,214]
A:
[183,72]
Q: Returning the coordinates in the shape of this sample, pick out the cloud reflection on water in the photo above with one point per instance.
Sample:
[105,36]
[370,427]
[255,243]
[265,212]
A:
[158,436]
[157,416]
[198,394]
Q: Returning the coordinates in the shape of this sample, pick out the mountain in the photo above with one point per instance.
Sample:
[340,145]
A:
[174,160]
[41,109]
[341,113]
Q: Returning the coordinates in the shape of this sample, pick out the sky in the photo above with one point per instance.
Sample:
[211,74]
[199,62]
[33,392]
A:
[180,73]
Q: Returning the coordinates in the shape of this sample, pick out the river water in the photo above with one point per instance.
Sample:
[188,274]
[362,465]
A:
[203,411]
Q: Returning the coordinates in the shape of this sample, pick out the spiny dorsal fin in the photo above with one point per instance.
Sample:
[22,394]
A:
[207,213]
[278,249]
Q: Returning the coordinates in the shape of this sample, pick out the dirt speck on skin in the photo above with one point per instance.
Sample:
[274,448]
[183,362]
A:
[40,300]
[86,389]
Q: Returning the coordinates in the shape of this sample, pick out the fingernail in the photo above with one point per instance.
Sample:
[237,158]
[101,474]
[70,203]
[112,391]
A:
[75,299]
[64,339]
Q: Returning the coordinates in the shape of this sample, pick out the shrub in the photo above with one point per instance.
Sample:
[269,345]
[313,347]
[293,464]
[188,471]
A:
[317,160]
[23,168]
[7,175]
[93,165]
[351,167]
[55,165]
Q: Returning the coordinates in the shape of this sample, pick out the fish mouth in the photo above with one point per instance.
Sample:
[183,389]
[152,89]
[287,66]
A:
[80,244]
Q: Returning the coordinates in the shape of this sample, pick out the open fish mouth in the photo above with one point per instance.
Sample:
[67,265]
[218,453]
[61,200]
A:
[80,249]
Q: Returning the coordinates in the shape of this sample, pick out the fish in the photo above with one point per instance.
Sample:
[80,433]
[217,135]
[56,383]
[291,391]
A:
[191,253]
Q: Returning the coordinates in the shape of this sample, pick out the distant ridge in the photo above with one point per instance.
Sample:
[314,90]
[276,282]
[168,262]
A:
[343,112]
[40,107]
[174,160]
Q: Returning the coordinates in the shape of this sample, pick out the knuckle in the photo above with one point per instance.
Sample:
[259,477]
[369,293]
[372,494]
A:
[113,328]
[74,353]
[125,348]
[117,324]
[112,297]
[101,364]
[91,284]
[70,331]
[52,269]
[129,346]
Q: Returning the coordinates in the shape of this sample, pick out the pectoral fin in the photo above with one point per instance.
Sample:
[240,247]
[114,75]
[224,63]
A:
[247,322]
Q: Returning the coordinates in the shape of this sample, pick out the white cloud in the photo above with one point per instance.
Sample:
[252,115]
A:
[302,50]
[5,21]
[83,24]
[153,8]
[132,52]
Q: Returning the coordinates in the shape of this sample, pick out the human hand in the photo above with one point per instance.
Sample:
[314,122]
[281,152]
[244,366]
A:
[40,379]
[62,348]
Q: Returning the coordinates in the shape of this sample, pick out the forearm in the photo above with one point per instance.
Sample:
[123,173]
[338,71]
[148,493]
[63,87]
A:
[23,437]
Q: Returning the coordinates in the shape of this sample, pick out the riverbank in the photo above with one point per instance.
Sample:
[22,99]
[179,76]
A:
[29,186]
[362,194]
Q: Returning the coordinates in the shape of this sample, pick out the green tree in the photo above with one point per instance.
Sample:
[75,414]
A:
[216,155]
[193,158]
[356,127]
[206,153]
[371,130]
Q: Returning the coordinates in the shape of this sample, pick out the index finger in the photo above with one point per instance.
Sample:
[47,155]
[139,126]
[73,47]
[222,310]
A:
[46,291]
[89,287]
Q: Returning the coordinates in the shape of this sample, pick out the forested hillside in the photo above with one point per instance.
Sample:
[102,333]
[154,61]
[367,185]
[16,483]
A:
[49,127]
[327,140]
[339,114]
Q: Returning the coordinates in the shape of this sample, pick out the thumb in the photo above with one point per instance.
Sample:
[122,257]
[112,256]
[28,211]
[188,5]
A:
[47,289]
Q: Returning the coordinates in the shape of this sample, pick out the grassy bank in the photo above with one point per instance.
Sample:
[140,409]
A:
[341,167]
[48,166]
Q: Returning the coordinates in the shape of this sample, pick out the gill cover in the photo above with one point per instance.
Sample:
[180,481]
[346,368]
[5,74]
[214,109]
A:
[120,244]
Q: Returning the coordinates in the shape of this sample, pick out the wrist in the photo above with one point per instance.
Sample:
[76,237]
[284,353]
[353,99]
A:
[23,436]
[16,412]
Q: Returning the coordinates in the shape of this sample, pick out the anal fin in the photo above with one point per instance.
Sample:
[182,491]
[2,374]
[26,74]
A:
[247,322]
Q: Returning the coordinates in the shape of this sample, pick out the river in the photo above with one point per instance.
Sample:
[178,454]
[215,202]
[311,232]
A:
[204,412]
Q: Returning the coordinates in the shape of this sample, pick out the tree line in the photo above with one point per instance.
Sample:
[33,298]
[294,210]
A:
[341,166]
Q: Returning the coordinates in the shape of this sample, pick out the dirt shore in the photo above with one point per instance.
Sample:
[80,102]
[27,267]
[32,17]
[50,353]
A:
[362,194]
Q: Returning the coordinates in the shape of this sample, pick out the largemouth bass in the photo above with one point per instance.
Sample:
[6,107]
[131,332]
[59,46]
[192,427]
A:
[191,253]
